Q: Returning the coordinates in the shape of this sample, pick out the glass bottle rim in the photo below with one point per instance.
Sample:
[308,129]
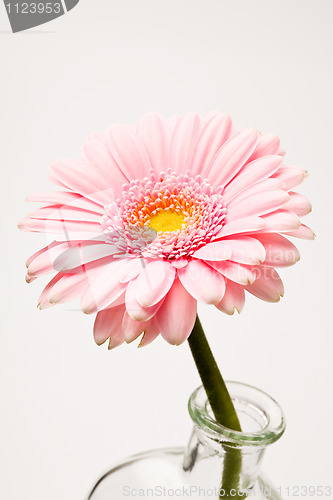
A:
[272,418]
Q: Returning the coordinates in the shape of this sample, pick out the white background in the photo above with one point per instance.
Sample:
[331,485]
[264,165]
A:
[69,408]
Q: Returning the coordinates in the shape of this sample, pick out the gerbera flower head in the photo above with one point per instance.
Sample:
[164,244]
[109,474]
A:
[159,215]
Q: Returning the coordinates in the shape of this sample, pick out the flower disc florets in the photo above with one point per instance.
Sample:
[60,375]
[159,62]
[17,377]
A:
[165,215]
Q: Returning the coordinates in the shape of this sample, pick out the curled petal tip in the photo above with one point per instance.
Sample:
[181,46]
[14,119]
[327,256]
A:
[111,345]
[43,306]
[29,278]
[99,342]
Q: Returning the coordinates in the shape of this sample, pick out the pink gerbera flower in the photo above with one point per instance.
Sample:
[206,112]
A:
[165,213]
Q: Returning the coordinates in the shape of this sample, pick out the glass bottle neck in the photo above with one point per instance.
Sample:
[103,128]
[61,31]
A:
[211,445]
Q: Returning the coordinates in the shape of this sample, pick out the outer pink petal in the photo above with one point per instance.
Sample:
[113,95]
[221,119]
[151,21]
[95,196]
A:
[67,229]
[290,176]
[150,334]
[252,173]
[213,135]
[154,282]
[239,273]
[129,152]
[97,153]
[202,282]
[257,189]
[83,178]
[280,252]
[217,250]
[65,212]
[56,197]
[43,302]
[268,144]
[40,252]
[69,287]
[244,249]
[132,329]
[298,204]
[268,286]
[183,142]
[108,323]
[259,204]
[104,287]
[234,298]
[176,317]
[156,137]
[238,226]
[303,232]
[81,254]
[132,270]
[134,309]
[44,262]
[232,156]
[280,221]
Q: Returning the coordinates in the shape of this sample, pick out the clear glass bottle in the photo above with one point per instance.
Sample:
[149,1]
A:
[213,450]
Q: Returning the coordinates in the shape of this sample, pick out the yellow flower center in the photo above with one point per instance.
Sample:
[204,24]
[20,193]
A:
[166,220]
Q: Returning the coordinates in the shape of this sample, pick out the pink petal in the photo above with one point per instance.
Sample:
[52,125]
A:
[43,262]
[154,282]
[268,144]
[298,204]
[73,230]
[97,153]
[65,212]
[252,173]
[156,137]
[280,221]
[150,333]
[258,204]
[104,287]
[268,285]
[234,298]
[244,225]
[57,197]
[134,309]
[41,252]
[132,270]
[132,329]
[81,254]
[202,282]
[128,151]
[183,142]
[303,232]
[43,302]
[217,250]
[232,156]
[243,249]
[257,189]
[290,176]
[280,252]
[176,317]
[108,323]
[239,273]
[84,179]
[69,287]
[213,135]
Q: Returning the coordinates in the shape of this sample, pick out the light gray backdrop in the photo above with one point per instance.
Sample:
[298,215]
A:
[69,408]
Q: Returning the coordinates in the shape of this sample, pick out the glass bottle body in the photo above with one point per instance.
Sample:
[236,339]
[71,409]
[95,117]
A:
[217,462]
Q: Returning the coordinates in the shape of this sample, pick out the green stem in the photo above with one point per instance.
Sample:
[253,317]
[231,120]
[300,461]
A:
[221,405]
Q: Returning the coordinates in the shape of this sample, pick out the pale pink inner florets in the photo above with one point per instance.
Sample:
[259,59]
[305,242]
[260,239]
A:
[130,222]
